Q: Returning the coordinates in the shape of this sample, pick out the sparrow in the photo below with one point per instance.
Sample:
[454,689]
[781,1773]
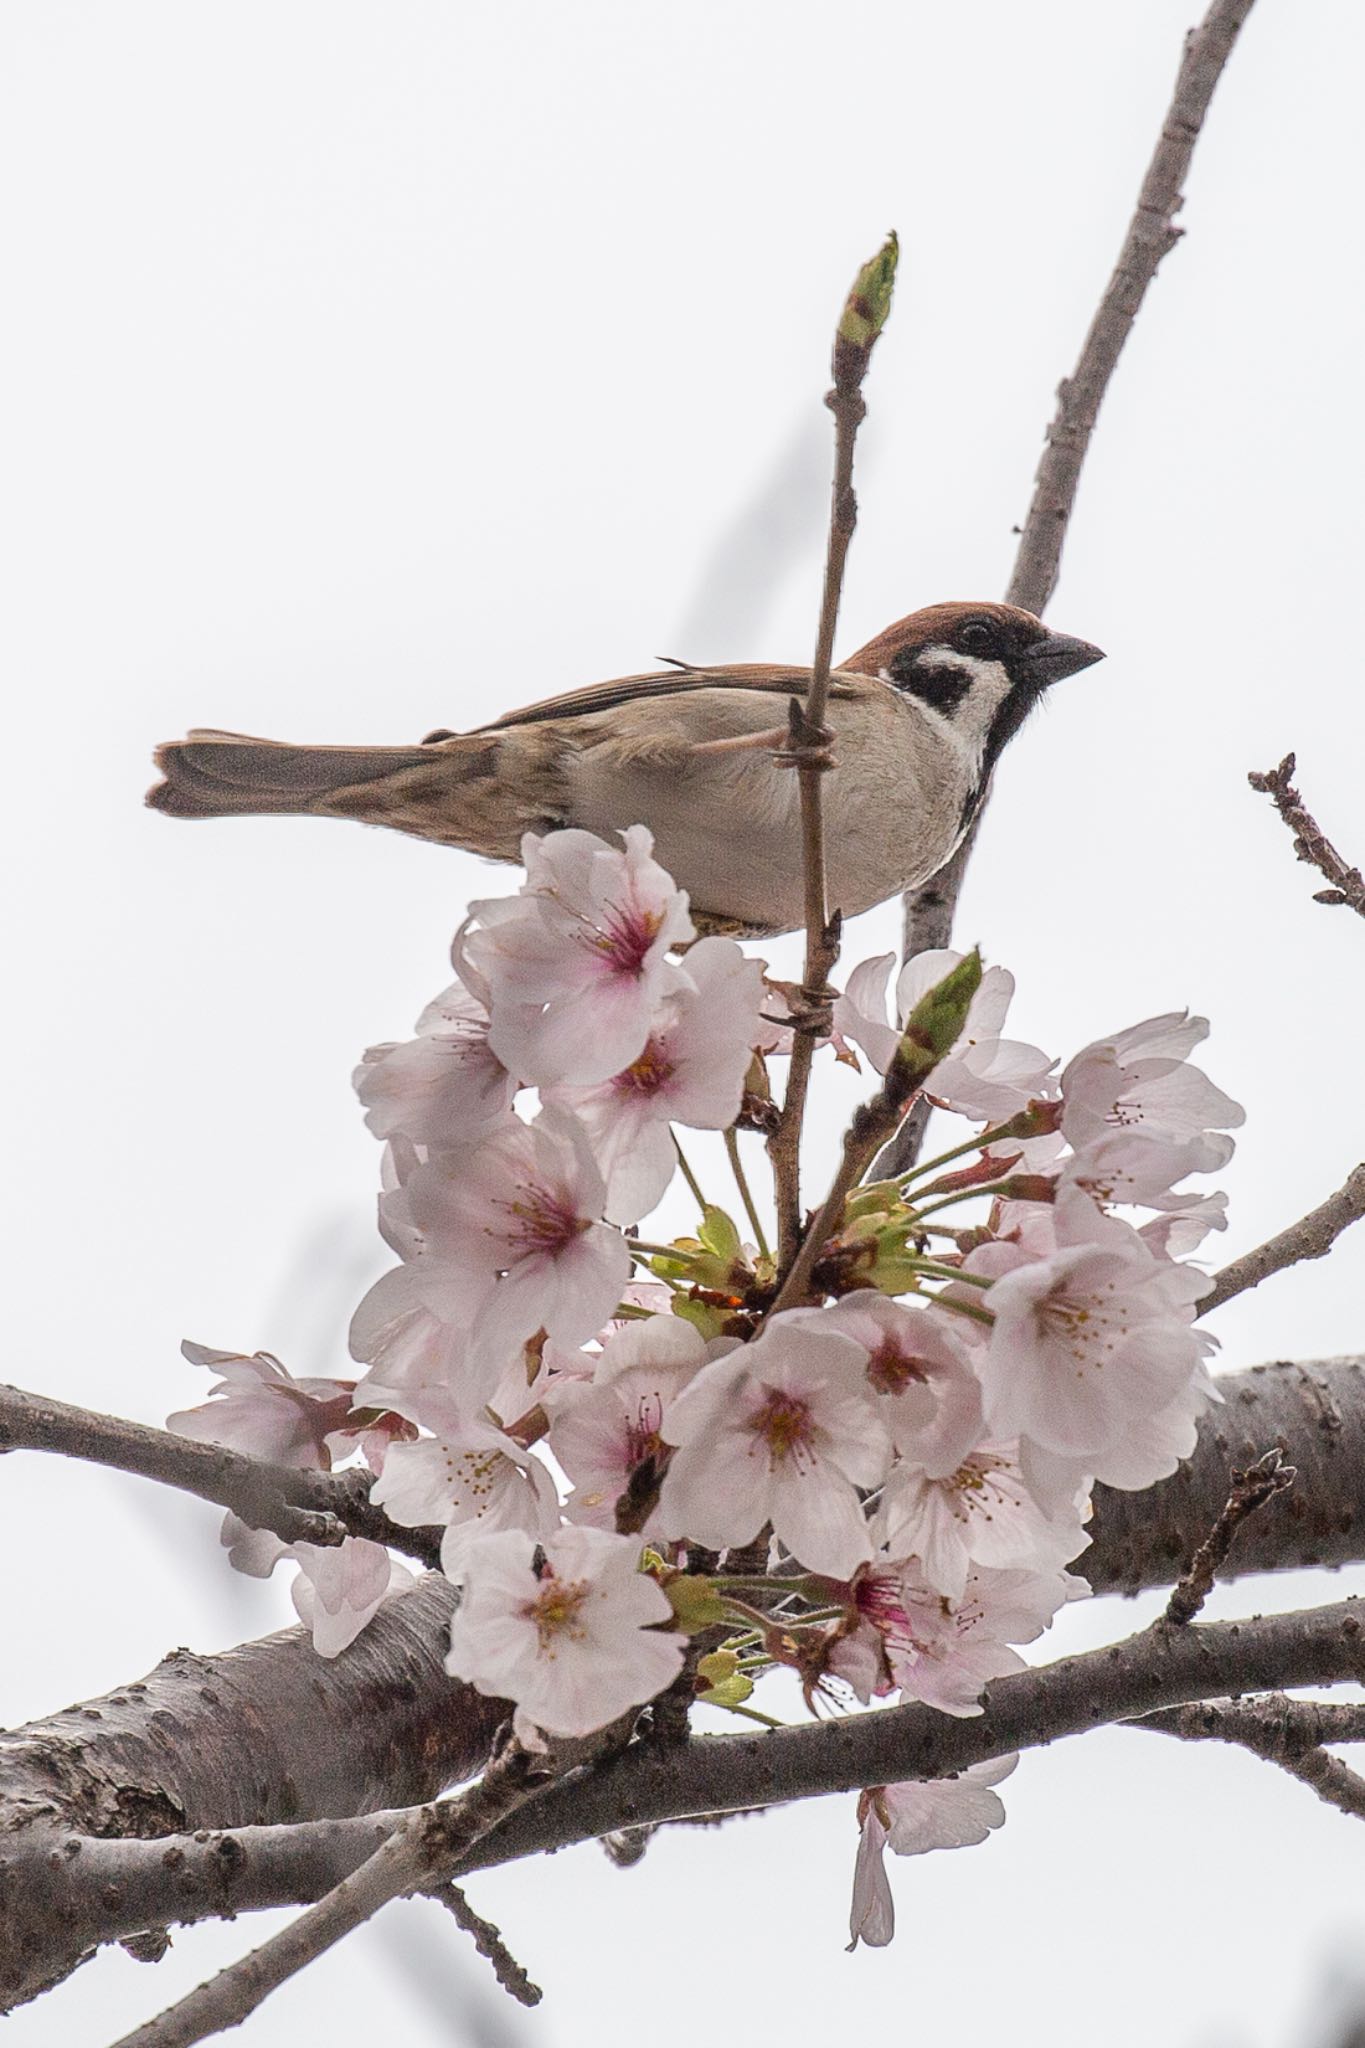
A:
[918,716]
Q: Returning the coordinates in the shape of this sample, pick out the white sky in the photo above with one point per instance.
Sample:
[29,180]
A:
[371,367]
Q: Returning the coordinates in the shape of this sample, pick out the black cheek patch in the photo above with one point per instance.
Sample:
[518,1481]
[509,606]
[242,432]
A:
[943,688]
[1013,711]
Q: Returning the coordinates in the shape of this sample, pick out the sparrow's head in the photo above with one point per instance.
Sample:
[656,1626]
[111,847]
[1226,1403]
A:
[979,667]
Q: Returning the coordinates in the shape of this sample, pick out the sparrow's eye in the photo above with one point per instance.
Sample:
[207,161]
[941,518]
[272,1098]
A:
[976,637]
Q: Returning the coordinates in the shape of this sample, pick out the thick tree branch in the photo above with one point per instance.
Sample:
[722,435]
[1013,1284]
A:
[421,1849]
[1157,1667]
[652,1784]
[929,910]
[1311,844]
[384,1722]
[1312,1237]
[299,1506]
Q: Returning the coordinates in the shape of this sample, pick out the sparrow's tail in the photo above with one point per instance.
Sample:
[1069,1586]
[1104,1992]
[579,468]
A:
[226,774]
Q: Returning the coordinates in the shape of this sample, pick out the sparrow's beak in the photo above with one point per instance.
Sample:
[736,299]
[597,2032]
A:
[1055,656]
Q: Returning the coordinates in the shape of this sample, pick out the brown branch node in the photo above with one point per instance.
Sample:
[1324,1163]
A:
[1251,1489]
[489,1943]
[1346,885]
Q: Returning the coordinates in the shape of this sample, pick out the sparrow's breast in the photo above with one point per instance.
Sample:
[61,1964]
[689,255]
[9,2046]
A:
[726,823]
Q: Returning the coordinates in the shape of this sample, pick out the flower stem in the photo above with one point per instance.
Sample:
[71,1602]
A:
[976,1144]
[961,1308]
[753,1714]
[741,1182]
[689,1176]
[934,1271]
[987,1187]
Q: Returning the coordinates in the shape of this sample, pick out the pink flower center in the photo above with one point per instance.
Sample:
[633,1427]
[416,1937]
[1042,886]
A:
[545,1223]
[556,1610]
[642,1431]
[785,1424]
[624,938]
[892,1370]
[648,1074]
[882,1603]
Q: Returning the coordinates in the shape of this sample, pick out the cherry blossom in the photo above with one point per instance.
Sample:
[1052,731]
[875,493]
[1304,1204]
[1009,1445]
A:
[919,1373]
[910,1819]
[690,1071]
[1178,1232]
[470,1477]
[984,1513]
[1150,1448]
[984,1075]
[259,1407]
[340,1586]
[574,1641]
[603,1433]
[1088,1341]
[1141,1078]
[943,1652]
[576,964]
[780,1431]
[507,1244]
[442,1087]
[1139,1167]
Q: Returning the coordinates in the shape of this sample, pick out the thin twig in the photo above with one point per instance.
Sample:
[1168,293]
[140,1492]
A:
[1312,1237]
[489,1942]
[809,743]
[422,1849]
[298,1506]
[1250,1490]
[1285,1732]
[1311,844]
[929,910]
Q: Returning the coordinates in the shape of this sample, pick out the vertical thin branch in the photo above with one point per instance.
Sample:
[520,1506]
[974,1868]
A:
[1152,233]
[863,318]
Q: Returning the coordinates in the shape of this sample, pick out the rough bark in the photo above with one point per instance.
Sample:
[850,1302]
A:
[270,1734]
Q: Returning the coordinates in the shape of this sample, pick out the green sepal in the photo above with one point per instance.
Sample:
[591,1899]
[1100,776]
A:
[718,1233]
[726,1684]
[695,1602]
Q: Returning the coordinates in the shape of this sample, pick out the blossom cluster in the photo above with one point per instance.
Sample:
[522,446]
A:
[621,1441]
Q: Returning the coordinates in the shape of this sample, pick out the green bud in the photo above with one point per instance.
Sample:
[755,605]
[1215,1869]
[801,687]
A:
[869,303]
[704,1316]
[873,1198]
[935,1024]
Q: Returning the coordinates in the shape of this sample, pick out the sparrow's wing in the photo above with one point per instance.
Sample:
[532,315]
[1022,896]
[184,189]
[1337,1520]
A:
[666,683]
